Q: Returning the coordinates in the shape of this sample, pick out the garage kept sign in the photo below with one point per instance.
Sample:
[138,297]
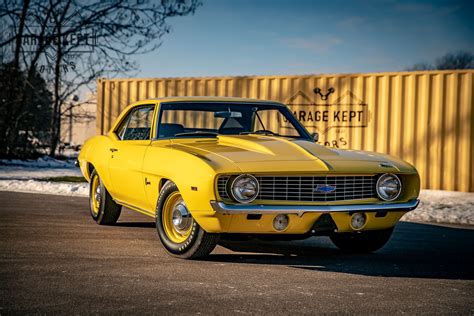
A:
[347,111]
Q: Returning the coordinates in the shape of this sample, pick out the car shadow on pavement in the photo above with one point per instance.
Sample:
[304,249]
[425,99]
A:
[136,224]
[415,250]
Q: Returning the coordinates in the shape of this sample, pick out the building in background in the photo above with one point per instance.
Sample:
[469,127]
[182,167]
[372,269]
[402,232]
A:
[79,122]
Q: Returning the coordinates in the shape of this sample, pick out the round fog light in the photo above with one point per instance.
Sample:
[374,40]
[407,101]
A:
[280,222]
[358,220]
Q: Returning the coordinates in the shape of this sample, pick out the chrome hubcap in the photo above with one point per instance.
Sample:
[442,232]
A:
[181,218]
[97,194]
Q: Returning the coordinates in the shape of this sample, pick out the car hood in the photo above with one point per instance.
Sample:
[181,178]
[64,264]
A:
[258,153]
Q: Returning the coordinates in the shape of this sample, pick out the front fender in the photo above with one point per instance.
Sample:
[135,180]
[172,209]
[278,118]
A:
[96,152]
[194,177]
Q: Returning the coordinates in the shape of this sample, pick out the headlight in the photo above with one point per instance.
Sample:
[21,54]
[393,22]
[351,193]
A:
[388,187]
[244,188]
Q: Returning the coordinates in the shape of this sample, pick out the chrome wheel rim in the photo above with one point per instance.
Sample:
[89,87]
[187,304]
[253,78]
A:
[177,220]
[182,219]
[96,195]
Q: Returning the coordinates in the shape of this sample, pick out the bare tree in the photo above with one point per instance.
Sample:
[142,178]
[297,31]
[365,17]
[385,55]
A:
[72,42]
[23,131]
[458,60]
[420,66]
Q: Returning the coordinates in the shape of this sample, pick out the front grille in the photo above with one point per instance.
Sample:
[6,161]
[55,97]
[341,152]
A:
[304,188]
[221,187]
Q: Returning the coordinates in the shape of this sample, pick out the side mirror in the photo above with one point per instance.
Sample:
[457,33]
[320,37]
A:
[315,137]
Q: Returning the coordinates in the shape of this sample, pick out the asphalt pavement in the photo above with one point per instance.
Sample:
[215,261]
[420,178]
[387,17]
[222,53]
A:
[55,259]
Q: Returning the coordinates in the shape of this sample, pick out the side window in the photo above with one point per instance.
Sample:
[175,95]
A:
[273,120]
[121,129]
[137,125]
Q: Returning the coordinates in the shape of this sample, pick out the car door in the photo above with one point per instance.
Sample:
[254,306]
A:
[131,140]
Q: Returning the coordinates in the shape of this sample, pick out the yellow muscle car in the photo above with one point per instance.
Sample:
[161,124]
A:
[216,168]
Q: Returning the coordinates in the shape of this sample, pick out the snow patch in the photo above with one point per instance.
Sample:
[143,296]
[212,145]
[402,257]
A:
[22,173]
[42,162]
[45,187]
[438,206]
[45,167]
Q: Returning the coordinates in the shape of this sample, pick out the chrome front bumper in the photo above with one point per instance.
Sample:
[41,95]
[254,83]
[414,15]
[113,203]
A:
[223,208]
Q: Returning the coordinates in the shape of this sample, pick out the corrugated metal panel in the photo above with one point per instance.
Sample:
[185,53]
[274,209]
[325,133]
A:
[426,118]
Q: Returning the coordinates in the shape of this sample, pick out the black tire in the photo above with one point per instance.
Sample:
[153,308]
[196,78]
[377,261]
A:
[197,245]
[362,242]
[108,211]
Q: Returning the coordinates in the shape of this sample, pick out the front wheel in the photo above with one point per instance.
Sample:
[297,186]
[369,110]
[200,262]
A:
[179,233]
[362,242]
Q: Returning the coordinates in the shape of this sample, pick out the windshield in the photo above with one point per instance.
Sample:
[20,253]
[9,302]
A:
[196,119]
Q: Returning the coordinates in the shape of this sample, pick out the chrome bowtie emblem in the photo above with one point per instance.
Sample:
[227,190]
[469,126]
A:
[322,188]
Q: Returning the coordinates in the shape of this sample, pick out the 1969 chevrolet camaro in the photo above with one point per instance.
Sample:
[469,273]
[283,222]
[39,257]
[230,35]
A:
[217,168]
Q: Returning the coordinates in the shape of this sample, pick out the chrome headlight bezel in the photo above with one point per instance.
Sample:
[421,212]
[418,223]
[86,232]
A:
[238,197]
[378,186]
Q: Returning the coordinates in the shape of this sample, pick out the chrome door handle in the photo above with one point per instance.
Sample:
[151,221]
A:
[113,149]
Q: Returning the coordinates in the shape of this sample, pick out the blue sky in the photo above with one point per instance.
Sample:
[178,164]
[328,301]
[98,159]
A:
[243,37]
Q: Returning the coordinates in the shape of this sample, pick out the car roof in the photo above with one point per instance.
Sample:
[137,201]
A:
[202,99]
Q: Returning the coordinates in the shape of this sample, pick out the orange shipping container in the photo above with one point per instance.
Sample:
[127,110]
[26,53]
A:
[425,118]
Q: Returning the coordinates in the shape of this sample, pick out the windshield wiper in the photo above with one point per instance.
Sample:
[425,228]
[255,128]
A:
[261,132]
[198,134]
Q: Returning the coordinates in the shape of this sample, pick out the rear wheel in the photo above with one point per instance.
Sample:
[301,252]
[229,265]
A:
[362,242]
[103,209]
[179,233]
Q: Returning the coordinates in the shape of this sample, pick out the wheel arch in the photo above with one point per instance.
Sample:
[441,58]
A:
[89,169]
[162,183]
[95,155]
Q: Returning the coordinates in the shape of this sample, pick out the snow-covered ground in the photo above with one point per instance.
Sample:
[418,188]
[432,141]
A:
[26,175]
[44,167]
[438,206]
[46,187]
[435,207]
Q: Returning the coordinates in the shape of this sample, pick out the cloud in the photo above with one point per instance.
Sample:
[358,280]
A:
[313,44]
[351,22]
[414,7]
[426,8]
